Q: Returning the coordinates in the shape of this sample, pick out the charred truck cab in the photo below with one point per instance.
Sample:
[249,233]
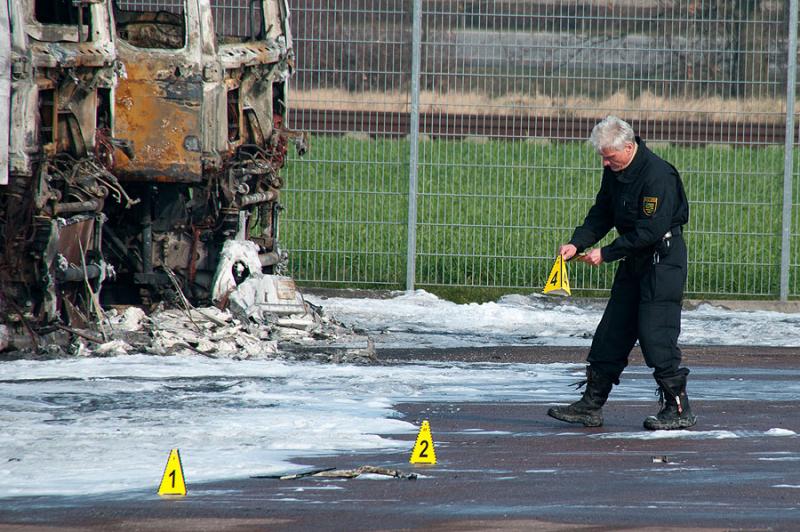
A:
[63,70]
[202,104]
[137,138]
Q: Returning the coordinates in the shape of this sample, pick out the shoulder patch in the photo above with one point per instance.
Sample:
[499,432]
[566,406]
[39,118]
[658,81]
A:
[649,205]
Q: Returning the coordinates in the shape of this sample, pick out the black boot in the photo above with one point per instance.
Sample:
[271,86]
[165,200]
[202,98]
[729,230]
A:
[675,410]
[587,410]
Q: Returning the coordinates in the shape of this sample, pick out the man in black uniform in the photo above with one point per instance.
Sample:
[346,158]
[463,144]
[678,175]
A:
[642,196]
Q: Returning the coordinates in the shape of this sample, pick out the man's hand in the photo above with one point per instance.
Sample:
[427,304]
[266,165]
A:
[567,251]
[593,257]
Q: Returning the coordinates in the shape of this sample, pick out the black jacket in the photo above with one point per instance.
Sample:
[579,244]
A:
[643,202]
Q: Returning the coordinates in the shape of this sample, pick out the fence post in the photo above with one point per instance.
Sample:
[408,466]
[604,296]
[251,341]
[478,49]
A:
[788,166]
[413,137]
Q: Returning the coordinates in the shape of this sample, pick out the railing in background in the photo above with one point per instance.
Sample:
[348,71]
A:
[497,173]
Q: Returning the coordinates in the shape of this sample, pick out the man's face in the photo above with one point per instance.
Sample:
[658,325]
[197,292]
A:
[617,159]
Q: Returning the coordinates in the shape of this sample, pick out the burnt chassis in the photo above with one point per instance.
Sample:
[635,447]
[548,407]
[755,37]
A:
[132,159]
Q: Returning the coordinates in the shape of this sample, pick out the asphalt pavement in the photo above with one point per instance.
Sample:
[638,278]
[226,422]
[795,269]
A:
[506,466]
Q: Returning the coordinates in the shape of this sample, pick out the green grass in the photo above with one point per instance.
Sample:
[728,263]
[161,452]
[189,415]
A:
[491,216]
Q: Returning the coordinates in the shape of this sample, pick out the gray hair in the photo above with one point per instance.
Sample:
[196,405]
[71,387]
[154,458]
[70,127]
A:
[611,132]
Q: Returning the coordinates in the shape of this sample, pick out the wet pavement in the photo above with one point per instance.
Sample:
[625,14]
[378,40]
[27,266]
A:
[507,466]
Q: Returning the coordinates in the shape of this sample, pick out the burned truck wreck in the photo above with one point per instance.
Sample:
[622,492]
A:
[202,103]
[142,137]
[62,77]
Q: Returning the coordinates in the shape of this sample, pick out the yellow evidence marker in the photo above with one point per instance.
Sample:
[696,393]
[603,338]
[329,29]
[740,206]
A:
[557,281]
[423,452]
[172,483]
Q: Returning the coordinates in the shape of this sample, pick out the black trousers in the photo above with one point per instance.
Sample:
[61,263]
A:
[645,305]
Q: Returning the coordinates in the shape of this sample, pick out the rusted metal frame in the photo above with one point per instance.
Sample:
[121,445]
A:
[5,89]
[259,197]
[71,72]
[287,31]
[213,141]
[82,334]
[193,254]
[165,85]
[213,109]
[77,206]
[255,66]
[147,233]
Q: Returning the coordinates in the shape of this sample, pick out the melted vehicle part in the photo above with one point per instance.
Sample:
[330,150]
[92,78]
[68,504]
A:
[240,286]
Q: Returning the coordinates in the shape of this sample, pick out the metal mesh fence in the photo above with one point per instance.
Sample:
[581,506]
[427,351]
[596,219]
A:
[234,18]
[237,19]
[169,6]
[508,92]
[133,24]
[347,205]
